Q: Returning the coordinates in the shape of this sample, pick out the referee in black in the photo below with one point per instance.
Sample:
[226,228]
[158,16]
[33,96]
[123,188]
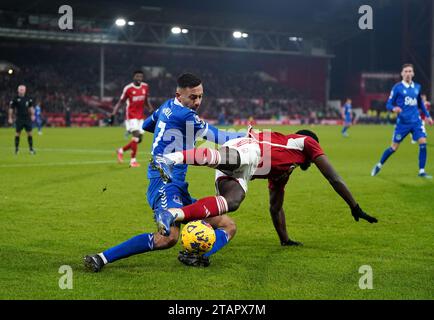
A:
[24,111]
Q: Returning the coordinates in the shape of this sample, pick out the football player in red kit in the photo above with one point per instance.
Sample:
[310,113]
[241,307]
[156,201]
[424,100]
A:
[264,155]
[136,96]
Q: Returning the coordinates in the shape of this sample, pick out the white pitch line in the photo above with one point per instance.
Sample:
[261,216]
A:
[53,164]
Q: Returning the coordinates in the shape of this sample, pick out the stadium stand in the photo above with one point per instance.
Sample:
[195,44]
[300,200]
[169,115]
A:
[61,77]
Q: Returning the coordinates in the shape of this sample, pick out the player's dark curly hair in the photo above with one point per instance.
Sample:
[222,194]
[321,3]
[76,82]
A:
[309,133]
[137,71]
[304,166]
[188,80]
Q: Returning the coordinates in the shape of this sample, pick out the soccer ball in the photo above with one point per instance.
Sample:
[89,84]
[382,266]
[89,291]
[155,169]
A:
[197,237]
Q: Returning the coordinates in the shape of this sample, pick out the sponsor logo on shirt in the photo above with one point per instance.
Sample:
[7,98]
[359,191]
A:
[409,101]
[138,98]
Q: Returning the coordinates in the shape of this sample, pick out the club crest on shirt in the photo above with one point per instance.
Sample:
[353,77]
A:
[177,200]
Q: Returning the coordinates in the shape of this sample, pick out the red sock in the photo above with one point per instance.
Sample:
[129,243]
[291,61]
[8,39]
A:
[133,148]
[127,146]
[201,156]
[205,208]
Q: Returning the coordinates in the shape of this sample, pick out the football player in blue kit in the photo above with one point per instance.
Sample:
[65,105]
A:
[405,99]
[38,118]
[176,127]
[347,117]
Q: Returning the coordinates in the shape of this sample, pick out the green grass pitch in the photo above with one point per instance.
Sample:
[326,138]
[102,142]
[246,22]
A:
[53,211]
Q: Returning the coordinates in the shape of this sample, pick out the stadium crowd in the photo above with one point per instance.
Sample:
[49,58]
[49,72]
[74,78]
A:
[68,82]
[243,96]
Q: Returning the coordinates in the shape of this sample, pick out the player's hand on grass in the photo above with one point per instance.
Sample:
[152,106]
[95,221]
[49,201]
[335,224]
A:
[358,213]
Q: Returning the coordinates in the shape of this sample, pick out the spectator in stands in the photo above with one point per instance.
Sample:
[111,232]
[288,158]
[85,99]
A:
[67,117]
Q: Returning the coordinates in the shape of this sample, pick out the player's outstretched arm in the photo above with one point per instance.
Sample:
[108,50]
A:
[117,106]
[278,216]
[151,121]
[340,187]
[277,213]
[221,136]
[422,107]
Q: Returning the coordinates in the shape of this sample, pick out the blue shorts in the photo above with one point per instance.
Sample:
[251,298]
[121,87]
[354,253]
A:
[163,195]
[417,131]
[347,120]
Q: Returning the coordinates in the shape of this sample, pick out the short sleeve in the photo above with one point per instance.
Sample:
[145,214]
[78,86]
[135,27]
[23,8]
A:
[200,126]
[124,94]
[312,149]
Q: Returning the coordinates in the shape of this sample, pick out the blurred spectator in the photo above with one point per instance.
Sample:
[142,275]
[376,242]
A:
[68,117]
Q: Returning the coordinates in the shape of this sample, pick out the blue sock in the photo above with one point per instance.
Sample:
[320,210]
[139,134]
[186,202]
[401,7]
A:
[344,129]
[138,244]
[221,239]
[422,155]
[386,155]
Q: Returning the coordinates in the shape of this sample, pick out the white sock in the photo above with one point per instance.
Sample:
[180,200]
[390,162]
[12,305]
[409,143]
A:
[178,214]
[120,150]
[379,165]
[216,158]
[421,171]
[176,157]
[133,160]
[103,257]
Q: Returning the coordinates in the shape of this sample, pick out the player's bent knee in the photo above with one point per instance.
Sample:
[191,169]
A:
[234,202]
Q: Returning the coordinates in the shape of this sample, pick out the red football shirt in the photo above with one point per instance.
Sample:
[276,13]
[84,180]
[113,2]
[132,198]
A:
[135,96]
[281,153]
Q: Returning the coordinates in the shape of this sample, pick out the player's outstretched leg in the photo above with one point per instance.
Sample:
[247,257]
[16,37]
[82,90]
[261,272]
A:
[136,139]
[17,143]
[387,153]
[223,159]
[139,244]
[344,131]
[30,142]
